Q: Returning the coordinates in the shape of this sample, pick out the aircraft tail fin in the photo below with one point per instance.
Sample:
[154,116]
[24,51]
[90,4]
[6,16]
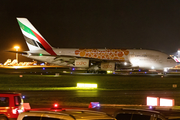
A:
[34,39]
[176,59]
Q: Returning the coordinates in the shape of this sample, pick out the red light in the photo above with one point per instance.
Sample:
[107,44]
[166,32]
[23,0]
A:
[56,105]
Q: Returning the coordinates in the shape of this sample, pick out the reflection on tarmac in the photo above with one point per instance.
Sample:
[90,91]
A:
[98,93]
[120,97]
[70,93]
[81,93]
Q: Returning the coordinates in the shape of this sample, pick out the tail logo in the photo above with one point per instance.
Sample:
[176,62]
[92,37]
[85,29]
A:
[41,43]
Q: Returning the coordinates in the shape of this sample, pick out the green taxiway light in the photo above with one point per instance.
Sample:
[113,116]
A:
[40,54]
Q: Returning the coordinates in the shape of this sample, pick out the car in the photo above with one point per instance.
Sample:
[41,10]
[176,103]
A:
[138,114]
[170,114]
[11,105]
[65,114]
[147,114]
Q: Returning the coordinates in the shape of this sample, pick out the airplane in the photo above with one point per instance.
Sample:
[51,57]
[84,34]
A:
[91,59]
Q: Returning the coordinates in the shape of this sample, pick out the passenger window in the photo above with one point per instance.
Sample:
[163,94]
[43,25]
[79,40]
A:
[31,118]
[4,101]
[141,117]
[17,100]
[122,116]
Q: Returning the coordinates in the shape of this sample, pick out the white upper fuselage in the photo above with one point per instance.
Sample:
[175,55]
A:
[142,58]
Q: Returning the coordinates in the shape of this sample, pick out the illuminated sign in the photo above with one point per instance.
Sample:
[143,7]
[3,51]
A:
[86,85]
[156,101]
[152,101]
[166,102]
[109,72]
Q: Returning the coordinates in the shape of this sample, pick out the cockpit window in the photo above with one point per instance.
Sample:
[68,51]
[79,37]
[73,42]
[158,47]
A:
[169,58]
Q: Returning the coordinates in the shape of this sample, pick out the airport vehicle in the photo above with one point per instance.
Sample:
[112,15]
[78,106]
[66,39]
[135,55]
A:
[170,114]
[91,59]
[66,114]
[144,114]
[11,105]
[138,114]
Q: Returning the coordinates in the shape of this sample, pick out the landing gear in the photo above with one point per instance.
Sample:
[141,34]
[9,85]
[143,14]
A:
[96,72]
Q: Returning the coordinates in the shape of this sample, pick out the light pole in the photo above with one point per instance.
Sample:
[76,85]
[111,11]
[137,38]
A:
[16,47]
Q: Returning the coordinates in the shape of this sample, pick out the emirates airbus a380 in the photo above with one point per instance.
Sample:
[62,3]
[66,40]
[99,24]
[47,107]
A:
[91,59]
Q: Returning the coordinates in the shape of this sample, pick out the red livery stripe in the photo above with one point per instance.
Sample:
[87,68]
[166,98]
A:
[45,44]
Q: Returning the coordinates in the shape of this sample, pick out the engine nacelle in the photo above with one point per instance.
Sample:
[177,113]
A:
[82,63]
[108,66]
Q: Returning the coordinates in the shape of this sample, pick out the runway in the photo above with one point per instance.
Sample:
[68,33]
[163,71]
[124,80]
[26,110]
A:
[124,88]
[97,93]
[118,97]
[52,70]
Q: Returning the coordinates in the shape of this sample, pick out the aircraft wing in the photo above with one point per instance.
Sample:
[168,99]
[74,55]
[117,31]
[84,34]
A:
[19,52]
[69,58]
[27,52]
[57,57]
[92,59]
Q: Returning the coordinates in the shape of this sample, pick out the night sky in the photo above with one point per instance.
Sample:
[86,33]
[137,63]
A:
[148,24]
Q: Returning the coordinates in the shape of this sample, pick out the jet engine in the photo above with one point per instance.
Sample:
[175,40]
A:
[108,66]
[81,63]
